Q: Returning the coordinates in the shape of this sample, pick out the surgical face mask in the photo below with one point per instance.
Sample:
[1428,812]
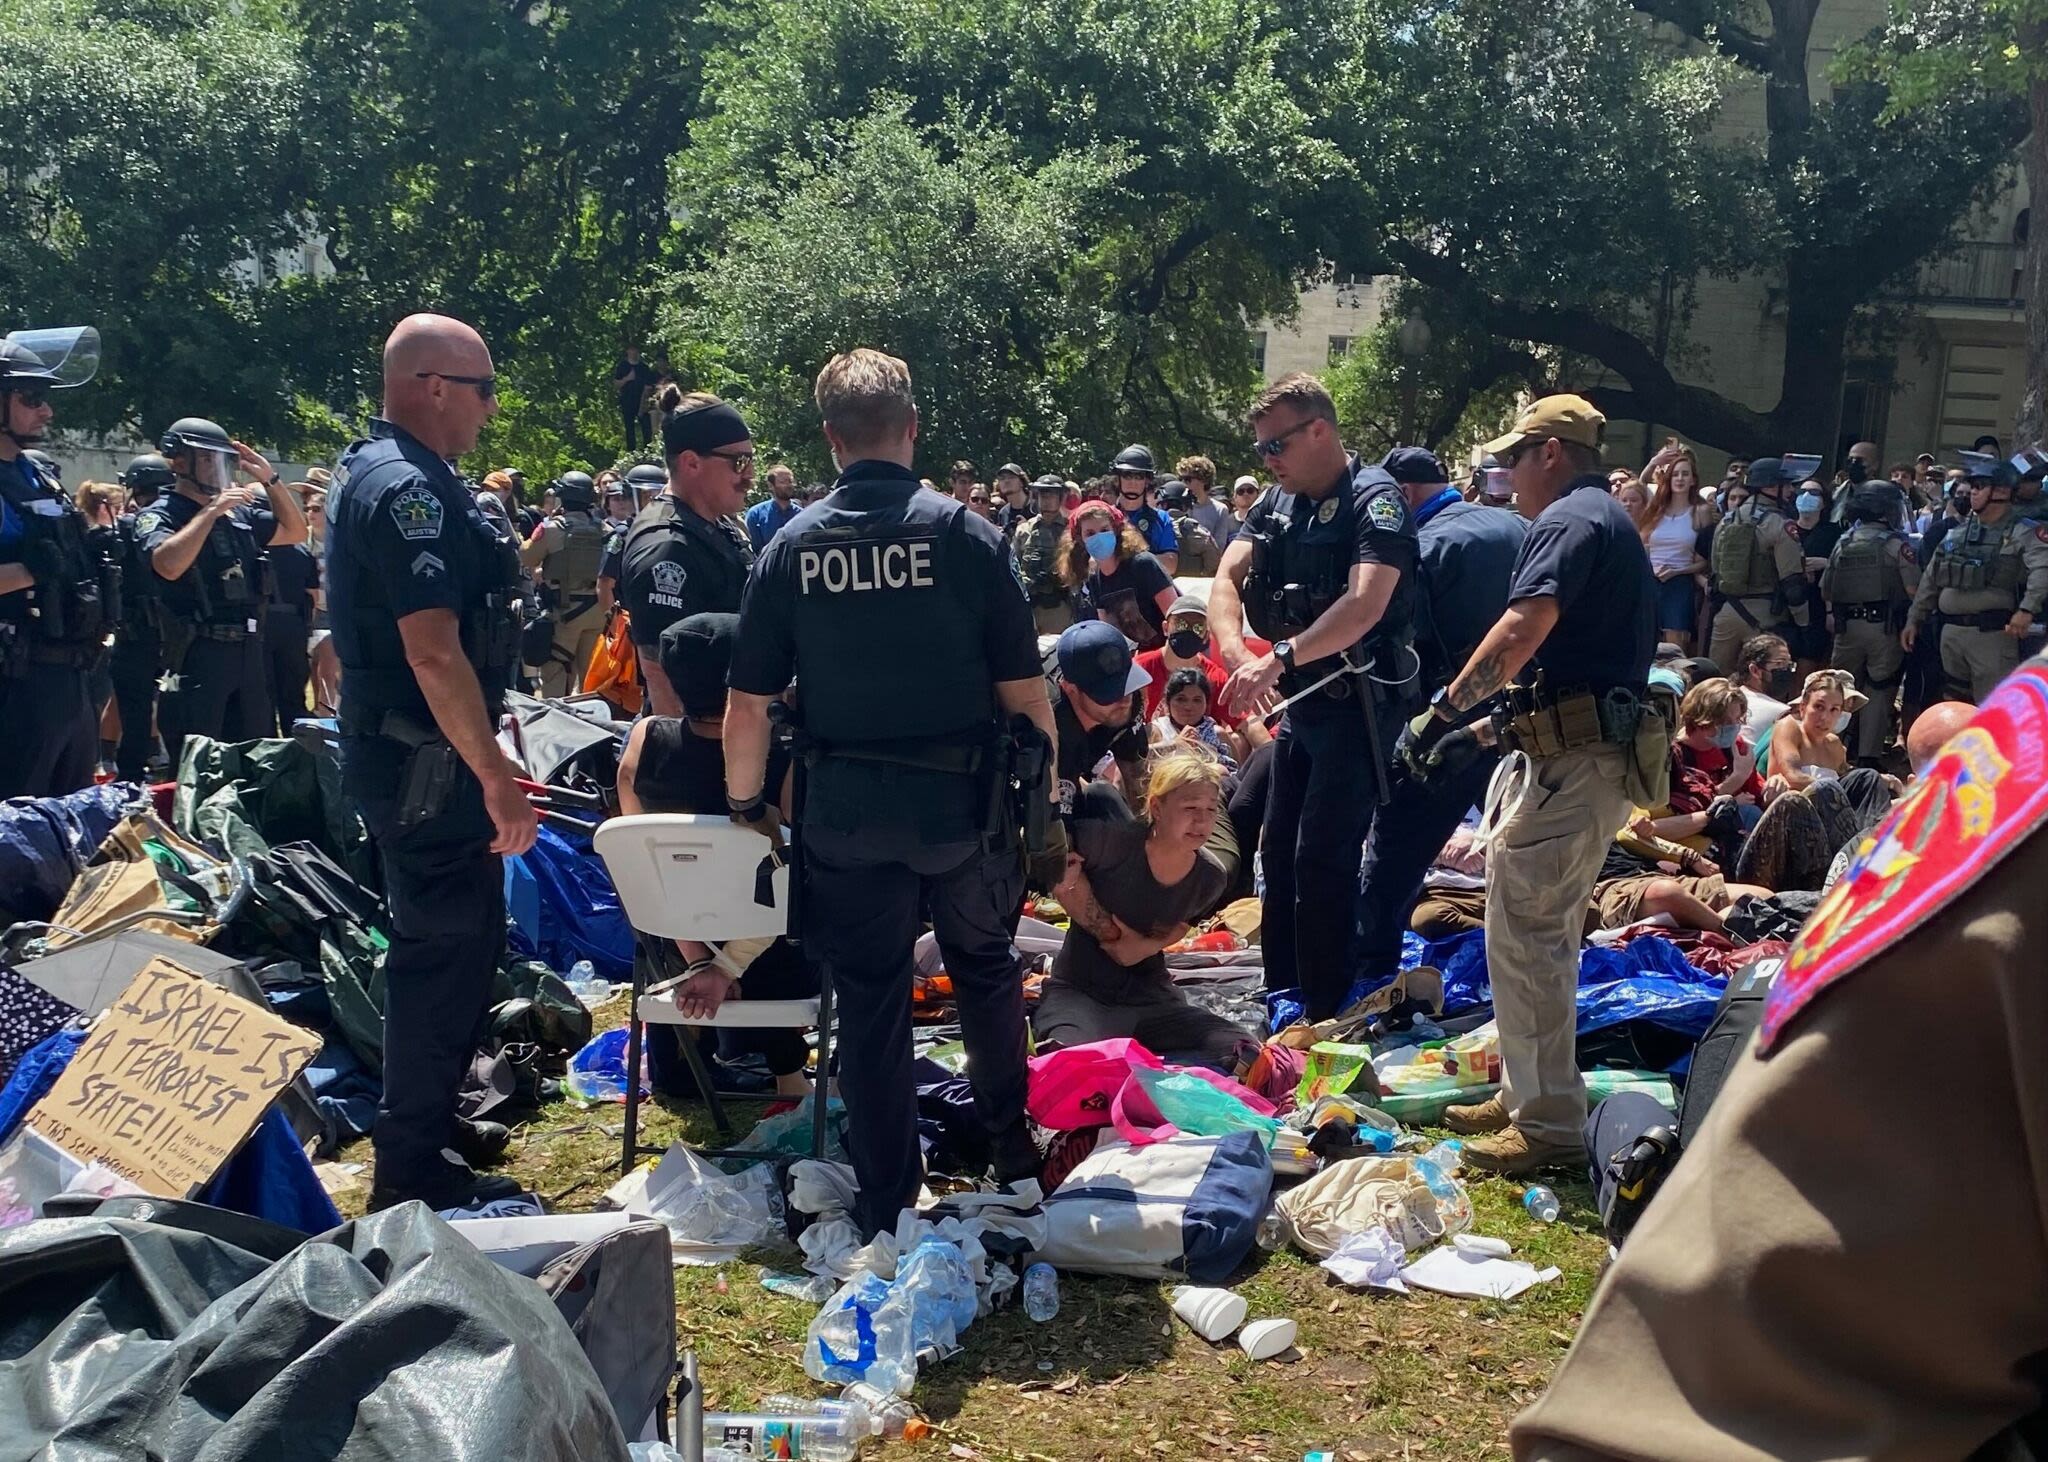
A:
[1781,683]
[1724,737]
[1187,643]
[1809,502]
[1841,723]
[1101,546]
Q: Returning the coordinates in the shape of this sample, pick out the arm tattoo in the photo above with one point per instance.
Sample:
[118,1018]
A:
[1481,679]
[1090,915]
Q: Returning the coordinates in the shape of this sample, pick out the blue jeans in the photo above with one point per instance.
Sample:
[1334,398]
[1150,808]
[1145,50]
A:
[1406,837]
[1317,816]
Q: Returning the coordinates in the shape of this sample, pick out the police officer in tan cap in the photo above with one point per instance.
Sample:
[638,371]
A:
[1827,1272]
[1571,656]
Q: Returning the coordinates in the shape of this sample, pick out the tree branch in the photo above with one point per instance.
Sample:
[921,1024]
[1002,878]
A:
[1147,297]
[1697,19]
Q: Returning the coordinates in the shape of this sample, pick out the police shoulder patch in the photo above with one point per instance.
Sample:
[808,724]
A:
[668,577]
[1986,791]
[149,522]
[417,512]
[338,479]
[1384,512]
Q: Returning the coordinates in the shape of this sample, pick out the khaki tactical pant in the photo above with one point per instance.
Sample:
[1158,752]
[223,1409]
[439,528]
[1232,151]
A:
[558,679]
[1871,653]
[1975,660]
[1730,630]
[1540,872]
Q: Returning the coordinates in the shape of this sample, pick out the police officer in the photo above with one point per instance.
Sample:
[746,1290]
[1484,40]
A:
[1785,1233]
[423,594]
[204,540]
[2028,468]
[1133,473]
[54,605]
[1988,578]
[1581,612]
[641,485]
[897,611]
[1466,554]
[1869,581]
[1199,555]
[565,552]
[687,552]
[1040,545]
[1759,568]
[137,661]
[1326,573]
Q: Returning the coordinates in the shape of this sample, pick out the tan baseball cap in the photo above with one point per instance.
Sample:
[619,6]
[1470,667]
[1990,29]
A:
[1568,418]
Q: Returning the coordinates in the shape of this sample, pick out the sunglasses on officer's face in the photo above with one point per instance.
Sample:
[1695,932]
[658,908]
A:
[1515,453]
[486,387]
[32,396]
[742,462]
[1274,445]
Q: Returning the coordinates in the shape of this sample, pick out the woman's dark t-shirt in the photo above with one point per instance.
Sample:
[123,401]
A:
[1128,599]
[1113,855]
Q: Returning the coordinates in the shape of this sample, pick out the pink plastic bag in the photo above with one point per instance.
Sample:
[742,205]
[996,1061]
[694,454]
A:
[1074,1088]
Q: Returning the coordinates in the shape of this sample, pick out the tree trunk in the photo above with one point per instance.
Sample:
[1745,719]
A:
[2031,429]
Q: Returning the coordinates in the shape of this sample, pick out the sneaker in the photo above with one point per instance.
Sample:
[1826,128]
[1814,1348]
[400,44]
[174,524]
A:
[1490,1115]
[455,1186]
[1512,1152]
[481,1143]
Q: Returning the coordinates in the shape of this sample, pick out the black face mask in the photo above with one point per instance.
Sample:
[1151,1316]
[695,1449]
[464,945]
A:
[1783,684]
[1858,472]
[1187,643]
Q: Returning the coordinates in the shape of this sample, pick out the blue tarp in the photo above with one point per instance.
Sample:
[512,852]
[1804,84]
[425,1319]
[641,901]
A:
[579,915]
[44,841]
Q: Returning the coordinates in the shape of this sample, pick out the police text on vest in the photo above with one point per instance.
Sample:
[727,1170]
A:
[868,566]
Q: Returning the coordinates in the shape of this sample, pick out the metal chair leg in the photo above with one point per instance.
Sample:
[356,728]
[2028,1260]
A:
[820,1107]
[629,1151]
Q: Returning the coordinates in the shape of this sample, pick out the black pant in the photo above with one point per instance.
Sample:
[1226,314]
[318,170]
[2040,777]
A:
[861,899]
[1317,816]
[1407,834]
[135,665]
[445,891]
[49,735]
[223,691]
[638,432]
[287,665]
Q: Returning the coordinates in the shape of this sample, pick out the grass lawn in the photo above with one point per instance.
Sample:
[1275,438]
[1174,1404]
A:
[1114,1376]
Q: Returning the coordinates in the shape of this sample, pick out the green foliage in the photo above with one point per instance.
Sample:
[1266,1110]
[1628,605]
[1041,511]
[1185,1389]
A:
[1933,50]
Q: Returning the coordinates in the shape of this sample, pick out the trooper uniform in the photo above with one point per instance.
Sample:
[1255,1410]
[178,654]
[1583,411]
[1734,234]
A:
[1759,567]
[216,681]
[1777,1298]
[1868,583]
[404,537]
[566,554]
[1199,553]
[50,632]
[676,563]
[1041,544]
[1325,783]
[1981,572]
[900,810]
[1467,553]
[136,663]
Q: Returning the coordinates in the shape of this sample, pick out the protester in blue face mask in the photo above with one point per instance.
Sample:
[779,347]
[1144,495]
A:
[1716,793]
[1115,578]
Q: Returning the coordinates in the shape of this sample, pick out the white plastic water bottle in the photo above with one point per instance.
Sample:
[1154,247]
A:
[758,1434]
[581,973]
[1041,1292]
[584,984]
[888,1416]
[1541,1203]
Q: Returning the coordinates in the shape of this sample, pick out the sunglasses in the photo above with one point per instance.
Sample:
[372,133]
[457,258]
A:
[975,497]
[742,462]
[32,396]
[1245,492]
[486,386]
[1514,454]
[1273,446]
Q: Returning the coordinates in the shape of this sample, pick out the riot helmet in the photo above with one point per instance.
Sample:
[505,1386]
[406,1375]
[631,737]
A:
[2029,464]
[647,479]
[1875,502]
[148,475]
[1766,474]
[36,362]
[576,492]
[210,456]
[1137,457]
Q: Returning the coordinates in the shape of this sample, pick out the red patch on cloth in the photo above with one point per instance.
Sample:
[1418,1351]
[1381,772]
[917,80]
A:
[1986,791]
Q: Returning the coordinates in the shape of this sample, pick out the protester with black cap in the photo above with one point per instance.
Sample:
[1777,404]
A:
[1466,555]
[1133,472]
[687,553]
[677,764]
[898,614]
[1008,498]
[1988,579]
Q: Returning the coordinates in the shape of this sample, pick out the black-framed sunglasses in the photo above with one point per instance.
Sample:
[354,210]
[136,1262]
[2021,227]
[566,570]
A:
[742,462]
[486,386]
[1273,446]
[1514,454]
[32,396]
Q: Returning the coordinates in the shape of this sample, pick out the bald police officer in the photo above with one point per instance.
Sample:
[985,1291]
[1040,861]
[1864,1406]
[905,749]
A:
[898,614]
[1870,580]
[1776,1298]
[1581,619]
[1759,567]
[1988,578]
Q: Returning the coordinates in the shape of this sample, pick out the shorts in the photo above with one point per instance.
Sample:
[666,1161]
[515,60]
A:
[1677,606]
[1619,901]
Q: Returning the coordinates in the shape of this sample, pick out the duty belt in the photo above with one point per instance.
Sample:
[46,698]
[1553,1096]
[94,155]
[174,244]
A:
[77,656]
[225,633]
[1878,611]
[1990,619]
[1545,724]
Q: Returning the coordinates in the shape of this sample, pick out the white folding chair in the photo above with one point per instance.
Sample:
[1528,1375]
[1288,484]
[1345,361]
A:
[690,876]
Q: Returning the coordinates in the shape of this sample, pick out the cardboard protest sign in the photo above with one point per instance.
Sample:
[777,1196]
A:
[176,1073]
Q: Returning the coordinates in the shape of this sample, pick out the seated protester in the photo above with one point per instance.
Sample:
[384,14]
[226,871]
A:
[1644,876]
[1765,672]
[1114,577]
[677,764]
[1184,716]
[1806,746]
[1133,885]
[1716,794]
[1187,646]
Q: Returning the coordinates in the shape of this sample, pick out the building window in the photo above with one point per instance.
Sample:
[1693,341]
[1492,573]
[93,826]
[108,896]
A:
[1340,346]
[1259,351]
[1866,404]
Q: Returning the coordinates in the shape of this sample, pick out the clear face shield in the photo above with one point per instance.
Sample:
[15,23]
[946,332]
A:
[69,355]
[212,470]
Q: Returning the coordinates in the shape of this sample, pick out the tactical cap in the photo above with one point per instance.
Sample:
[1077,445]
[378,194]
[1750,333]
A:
[1414,464]
[1568,418]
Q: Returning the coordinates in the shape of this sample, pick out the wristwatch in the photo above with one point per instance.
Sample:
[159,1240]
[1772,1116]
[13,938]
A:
[1284,653]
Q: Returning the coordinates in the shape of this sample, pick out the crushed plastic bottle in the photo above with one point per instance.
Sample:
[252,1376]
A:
[1438,1168]
[584,984]
[1541,1203]
[881,1332]
[1041,1292]
[811,1435]
[891,1416]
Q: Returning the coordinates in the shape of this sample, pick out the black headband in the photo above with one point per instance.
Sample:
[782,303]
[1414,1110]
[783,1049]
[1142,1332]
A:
[701,428]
